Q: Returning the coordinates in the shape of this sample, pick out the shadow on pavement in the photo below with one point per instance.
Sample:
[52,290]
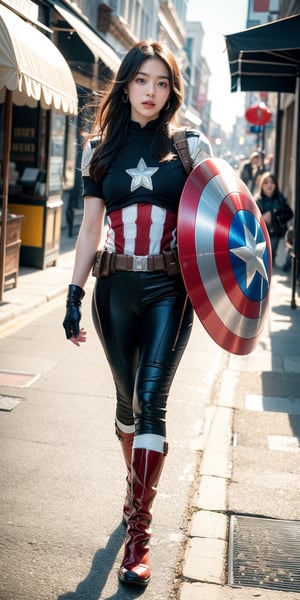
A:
[92,586]
[285,345]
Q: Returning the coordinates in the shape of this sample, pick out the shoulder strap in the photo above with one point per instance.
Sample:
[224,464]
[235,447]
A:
[181,145]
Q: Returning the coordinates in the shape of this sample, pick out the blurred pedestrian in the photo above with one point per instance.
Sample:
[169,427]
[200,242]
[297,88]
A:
[274,208]
[140,307]
[251,171]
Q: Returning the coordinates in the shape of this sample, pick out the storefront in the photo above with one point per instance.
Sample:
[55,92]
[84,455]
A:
[267,58]
[38,107]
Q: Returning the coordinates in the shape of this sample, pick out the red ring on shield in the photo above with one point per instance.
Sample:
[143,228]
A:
[225,255]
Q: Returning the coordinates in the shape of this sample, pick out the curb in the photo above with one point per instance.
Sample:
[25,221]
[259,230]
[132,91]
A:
[206,550]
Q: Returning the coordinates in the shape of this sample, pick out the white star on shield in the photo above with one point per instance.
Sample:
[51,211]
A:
[252,254]
[141,176]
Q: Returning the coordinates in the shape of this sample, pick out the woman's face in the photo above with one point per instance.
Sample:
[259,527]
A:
[149,91]
[268,186]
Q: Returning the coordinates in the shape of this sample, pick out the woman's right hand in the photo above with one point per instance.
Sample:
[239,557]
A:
[80,338]
[73,311]
[86,246]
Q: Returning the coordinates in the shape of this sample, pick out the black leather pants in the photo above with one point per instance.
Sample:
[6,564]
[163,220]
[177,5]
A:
[144,321]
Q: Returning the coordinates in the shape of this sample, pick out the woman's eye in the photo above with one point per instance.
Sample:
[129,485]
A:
[163,84]
[140,80]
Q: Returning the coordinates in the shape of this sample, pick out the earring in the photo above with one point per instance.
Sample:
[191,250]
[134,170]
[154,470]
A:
[125,98]
[167,105]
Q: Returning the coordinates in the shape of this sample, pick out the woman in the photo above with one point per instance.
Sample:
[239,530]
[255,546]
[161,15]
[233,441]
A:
[274,208]
[140,307]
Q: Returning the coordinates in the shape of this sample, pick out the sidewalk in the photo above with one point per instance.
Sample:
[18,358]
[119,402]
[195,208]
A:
[37,286]
[246,514]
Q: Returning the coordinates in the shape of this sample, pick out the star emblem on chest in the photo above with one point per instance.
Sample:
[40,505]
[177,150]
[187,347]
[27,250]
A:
[141,176]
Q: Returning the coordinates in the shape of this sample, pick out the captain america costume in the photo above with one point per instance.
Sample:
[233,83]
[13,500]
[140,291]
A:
[143,319]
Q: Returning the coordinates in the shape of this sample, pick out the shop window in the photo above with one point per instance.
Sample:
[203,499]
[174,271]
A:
[104,14]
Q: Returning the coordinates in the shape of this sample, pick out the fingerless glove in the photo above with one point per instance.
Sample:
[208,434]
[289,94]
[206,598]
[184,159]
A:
[73,311]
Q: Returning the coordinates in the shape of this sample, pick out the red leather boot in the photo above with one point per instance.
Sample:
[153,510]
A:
[146,470]
[126,440]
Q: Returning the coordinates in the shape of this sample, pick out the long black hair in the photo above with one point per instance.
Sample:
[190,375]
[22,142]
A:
[113,115]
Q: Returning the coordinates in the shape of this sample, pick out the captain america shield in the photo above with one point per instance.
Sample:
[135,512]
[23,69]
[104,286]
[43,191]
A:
[225,255]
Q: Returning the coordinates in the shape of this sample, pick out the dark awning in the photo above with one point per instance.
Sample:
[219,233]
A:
[266,57]
[99,48]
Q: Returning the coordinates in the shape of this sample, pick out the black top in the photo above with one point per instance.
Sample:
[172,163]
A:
[281,212]
[135,176]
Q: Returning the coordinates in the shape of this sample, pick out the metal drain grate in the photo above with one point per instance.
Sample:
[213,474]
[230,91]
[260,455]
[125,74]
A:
[264,553]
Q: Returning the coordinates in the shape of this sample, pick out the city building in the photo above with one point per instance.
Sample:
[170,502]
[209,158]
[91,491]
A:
[40,154]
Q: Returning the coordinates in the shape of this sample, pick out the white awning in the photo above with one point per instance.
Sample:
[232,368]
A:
[97,46]
[32,67]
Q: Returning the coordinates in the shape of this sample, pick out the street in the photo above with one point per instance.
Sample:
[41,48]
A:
[62,472]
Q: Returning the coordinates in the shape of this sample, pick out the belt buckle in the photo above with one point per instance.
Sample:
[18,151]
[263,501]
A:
[140,263]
